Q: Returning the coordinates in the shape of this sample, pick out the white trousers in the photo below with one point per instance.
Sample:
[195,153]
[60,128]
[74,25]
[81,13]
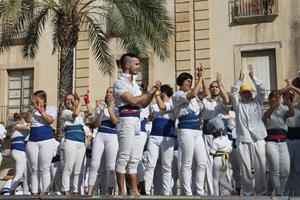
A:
[108,144]
[40,155]
[175,172]
[192,146]
[208,173]
[128,132]
[279,165]
[220,176]
[56,174]
[293,185]
[253,155]
[165,147]
[74,153]
[234,159]
[20,167]
[143,156]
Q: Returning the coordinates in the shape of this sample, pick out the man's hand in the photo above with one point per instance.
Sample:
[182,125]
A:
[86,97]
[251,72]
[76,97]
[100,104]
[154,88]
[288,82]
[219,77]
[200,71]
[242,75]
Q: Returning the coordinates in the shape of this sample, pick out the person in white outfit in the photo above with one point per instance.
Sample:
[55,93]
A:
[220,150]
[56,167]
[74,142]
[105,141]
[293,141]
[2,136]
[212,106]
[275,118]
[129,100]
[187,110]
[17,145]
[161,140]
[142,149]
[40,145]
[251,132]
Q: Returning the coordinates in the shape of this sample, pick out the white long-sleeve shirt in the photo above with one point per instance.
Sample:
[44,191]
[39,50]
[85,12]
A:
[249,124]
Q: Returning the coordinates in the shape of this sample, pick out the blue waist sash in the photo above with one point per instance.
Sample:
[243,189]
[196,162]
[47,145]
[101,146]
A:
[293,133]
[143,125]
[40,133]
[18,143]
[163,127]
[129,111]
[190,121]
[75,133]
[107,127]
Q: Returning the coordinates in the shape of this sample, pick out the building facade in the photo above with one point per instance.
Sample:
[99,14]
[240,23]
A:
[223,35]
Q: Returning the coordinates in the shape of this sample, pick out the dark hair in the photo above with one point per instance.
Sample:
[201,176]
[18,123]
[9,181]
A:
[17,117]
[124,59]
[182,77]
[273,94]
[42,94]
[167,89]
[213,83]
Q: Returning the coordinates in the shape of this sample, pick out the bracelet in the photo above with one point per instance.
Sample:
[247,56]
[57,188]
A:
[86,99]
[41,110]
[157,93]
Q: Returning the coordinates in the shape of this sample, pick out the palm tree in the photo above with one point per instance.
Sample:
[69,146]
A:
[138,25]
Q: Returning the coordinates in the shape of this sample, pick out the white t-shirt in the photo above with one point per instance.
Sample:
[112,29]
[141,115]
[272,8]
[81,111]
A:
[37,120]
[2,132]
[183,107]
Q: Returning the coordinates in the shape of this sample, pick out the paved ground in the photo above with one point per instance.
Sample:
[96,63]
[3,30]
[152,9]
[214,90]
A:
[145,198]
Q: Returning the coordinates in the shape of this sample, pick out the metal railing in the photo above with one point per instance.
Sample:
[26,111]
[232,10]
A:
[253,8]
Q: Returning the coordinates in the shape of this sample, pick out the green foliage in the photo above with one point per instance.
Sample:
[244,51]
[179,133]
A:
[139,25]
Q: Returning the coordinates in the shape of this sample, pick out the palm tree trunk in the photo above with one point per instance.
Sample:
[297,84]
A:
[65,85]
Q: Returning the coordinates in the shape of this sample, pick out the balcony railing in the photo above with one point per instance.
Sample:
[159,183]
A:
[252,11]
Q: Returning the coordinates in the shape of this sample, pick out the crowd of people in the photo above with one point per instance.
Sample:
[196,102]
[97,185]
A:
[200,140]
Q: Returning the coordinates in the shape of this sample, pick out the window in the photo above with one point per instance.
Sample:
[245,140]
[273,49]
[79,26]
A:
[264,63]
[19,91]
[143,74]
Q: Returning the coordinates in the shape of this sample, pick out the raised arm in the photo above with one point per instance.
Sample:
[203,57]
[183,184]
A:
[223,92]
[159,101]
[143,99]
[261,92]
[287,101]
[152,91]
[235,88]
[77,109]
[198,87]
[269,112]
[110,108]
[99,108]
[48,119]
[88,104]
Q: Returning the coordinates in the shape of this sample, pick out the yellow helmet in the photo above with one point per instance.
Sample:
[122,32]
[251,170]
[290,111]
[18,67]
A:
[246,87]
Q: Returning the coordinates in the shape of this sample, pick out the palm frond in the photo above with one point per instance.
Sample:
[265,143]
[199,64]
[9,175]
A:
[148,20]
[99,45]
[35,28]
[55,32]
